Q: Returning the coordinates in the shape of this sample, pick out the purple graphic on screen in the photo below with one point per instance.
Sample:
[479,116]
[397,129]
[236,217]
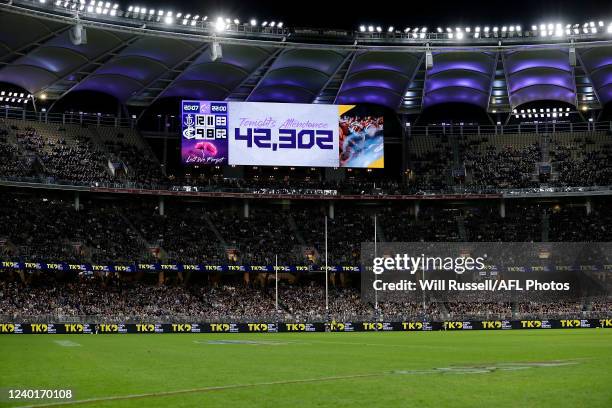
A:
[204,133]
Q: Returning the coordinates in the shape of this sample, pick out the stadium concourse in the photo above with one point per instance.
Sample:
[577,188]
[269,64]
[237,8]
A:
[92,177]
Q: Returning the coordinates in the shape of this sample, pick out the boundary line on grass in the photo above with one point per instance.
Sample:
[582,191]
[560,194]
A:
[477,369]
[204,389]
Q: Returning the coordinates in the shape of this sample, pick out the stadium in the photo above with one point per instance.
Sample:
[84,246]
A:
[203,210]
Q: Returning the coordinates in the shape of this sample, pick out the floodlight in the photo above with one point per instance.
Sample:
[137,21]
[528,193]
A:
[572,55]
[78,34]
[220,24]
[429,58]
[216,52]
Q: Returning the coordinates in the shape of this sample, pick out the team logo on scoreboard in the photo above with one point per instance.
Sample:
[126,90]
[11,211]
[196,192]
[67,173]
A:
[189,126]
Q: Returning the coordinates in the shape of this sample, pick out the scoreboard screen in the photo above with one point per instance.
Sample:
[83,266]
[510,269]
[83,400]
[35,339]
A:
[278,134]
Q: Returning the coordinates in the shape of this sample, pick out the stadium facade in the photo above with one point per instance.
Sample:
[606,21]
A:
[140,57]
[92,201]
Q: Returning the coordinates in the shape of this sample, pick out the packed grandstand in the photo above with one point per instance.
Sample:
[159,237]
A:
[106,191]
[43,225]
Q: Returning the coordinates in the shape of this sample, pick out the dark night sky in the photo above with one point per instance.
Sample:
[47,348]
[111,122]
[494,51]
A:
[348,15]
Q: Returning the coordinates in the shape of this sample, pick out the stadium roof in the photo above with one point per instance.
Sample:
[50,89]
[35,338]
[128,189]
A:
[141,64]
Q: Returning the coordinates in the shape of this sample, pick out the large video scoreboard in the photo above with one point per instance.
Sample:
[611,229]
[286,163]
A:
[279,134]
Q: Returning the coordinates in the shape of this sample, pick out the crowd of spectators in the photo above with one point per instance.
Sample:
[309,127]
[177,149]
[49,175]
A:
[407,310]
[479,310]
[430,224]
[572,224]
[511,167]
[78,161]
[75,155]
[431,171]
[13,163]
[558,309]
[50,229]
[183,232]
[306,303]
[64,156]
[33,227]
[39,227]
[522,223]
[120,299]
[600,307]
[581,162]
[141,167]
[259,238]
[112,300]
[349,227]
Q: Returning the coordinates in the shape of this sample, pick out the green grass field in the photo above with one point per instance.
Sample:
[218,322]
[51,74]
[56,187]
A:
[466,369]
